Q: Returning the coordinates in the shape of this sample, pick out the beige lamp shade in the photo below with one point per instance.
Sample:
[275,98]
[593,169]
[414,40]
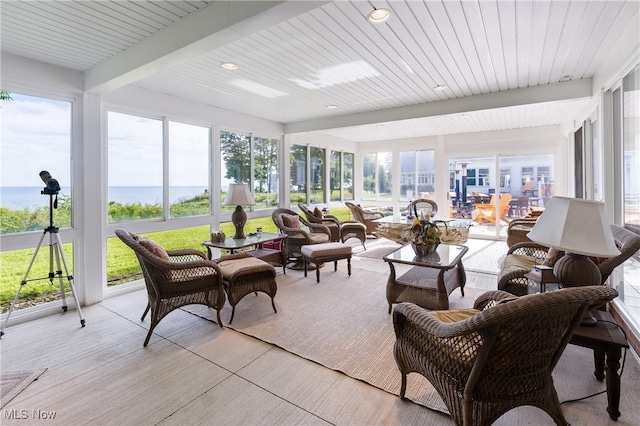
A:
[576,226]
[239,195]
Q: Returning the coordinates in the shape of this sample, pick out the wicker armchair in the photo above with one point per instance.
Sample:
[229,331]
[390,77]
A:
[500,357]
[512,279]
[427,207]
[365,217]
[518,229]
[297,236]
[175,278]
[329,221]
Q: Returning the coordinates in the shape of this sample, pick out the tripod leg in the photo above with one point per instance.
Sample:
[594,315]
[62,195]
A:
[54,250]
[22,284]
[60,253]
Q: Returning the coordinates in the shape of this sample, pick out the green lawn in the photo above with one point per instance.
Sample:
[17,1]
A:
[122,265]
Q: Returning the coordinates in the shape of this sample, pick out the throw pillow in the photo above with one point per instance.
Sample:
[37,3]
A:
[455,315]
[317,212]
[552,256]
[291,221]
[154,248]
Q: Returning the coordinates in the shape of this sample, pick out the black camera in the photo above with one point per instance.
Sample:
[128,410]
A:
[53,187]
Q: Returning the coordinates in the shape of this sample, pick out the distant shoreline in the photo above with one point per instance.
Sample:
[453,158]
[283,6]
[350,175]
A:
[19,197]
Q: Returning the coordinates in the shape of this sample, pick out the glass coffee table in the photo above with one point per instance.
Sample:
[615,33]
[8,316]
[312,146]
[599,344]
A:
[429,280]
[274,257]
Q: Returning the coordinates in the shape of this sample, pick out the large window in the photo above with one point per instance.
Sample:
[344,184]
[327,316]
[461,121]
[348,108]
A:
[417,174]
[135,189]
[188,170]
[265,174]
[239,152]
[298,175]
[377,176]
[317,161]
[36,136]
[341,176]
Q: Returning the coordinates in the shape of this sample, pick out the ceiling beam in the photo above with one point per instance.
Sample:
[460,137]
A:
[218,24]
[570,90]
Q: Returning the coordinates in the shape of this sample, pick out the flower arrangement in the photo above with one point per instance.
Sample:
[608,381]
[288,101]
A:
[423,231]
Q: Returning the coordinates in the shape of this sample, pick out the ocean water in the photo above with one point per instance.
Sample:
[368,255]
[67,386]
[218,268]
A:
[18,197]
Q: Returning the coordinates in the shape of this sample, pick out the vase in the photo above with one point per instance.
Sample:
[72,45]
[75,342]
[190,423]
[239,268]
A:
[424,249]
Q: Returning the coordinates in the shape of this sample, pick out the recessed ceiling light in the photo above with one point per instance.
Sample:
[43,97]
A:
[229,66]
[440,87]
[332,106]
[565,78]
[379,15]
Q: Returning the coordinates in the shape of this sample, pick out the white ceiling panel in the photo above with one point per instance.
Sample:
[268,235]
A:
[297,58]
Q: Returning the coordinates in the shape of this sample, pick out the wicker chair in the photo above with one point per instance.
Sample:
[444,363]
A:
[365,217]
[175,278]
[329,221]
[427,207]
[499,357]
[518,229]
[298,236]
[512,279]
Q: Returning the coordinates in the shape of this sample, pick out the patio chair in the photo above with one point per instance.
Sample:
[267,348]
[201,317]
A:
[316,216]
[175,278]
[365,217]
[521,257]
[487,212]
[498,356]
[299,232]
[425,206]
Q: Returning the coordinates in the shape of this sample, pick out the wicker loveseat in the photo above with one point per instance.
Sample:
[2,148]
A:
[521,257]
[498,356]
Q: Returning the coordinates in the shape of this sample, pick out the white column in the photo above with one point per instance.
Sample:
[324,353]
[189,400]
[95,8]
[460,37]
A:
[93,195]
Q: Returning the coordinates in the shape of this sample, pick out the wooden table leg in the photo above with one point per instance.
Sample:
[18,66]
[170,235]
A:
[613,382]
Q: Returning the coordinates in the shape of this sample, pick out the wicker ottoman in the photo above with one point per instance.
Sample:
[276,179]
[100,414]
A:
[353,230]
[243,274]
[326,252]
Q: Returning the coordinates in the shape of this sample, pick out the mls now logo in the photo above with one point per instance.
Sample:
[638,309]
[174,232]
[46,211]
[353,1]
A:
[15,414]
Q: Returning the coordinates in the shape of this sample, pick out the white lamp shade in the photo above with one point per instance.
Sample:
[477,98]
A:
[239,195]
[575,226]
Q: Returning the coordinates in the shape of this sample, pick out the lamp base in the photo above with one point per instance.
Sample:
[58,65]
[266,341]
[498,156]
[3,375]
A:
[239,218]
[588,320]
[577,270]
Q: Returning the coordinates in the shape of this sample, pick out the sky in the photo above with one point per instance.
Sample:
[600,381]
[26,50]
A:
[36,133]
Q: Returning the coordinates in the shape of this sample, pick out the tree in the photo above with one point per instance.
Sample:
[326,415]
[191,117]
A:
[5,96]
[236,154]
[265,159]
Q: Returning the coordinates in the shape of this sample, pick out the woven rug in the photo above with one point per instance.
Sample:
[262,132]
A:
[341,323]
[14,382]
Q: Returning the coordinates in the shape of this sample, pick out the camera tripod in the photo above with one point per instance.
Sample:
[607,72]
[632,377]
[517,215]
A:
[55,252]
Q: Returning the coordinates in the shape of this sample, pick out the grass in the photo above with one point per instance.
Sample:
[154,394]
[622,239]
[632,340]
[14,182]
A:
[122,265]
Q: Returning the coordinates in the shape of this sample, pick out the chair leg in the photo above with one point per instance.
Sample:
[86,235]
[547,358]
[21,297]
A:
[273,304]
[403,386]
[145,312]
[318,273]
[304,262]
[335,265]
[218,316]
[233,312]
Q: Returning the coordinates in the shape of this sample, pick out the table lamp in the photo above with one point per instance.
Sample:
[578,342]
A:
[239,195]
[579,228]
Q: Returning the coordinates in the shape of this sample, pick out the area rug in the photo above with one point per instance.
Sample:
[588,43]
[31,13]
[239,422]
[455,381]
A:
[341,323]
[14,382]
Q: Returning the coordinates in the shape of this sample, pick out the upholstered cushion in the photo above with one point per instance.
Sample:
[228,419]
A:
[154,248]
[455,315]
[317,212]
[291,221]
[316,251]
[232,267]
[517,262]
[552,256]
[318,237]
